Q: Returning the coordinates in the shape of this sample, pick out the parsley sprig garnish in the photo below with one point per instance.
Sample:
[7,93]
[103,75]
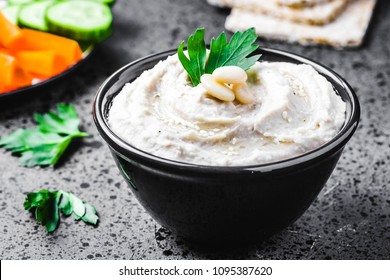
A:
[46,206]
[222,53]
[45,144]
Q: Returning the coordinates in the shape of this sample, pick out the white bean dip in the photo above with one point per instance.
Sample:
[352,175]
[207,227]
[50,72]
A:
[295,110]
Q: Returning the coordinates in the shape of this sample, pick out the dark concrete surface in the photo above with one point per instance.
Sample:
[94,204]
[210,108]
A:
[349,220]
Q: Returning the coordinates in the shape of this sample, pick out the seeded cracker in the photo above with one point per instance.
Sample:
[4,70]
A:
[218,3]
[319,14]
[298,4]
[347,30]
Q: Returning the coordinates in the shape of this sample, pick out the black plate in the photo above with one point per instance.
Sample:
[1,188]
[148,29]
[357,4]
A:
[32,88]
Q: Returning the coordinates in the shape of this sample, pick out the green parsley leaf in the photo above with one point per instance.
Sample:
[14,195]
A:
[65,204]
[47,204]
[77,205]
[36,199]
[222,53]
[45,144]
[235,53]
[90,214]
[47,213]
[64,122]
[196,47]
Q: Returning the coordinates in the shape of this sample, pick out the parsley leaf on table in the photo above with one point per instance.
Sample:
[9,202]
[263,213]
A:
[222,53]
[45,144]
[47,204]
[64,122]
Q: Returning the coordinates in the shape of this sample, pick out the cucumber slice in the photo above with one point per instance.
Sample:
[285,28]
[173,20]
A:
[107,2]
[19,2]
[33,15]
[11,13]
[81,20]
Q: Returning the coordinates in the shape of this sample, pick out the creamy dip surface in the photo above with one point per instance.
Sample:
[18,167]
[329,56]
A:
[295,110]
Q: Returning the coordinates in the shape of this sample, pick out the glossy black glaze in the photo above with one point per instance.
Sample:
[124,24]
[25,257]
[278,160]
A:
[239,204]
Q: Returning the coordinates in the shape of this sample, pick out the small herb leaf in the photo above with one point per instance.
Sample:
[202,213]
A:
[45,144]
[52,218]
[47,204]
[45,154]
[65,204]
[15,140]
[65,121]
[78,206]
[36,199]
[195,63]
[235,52]
[90,215]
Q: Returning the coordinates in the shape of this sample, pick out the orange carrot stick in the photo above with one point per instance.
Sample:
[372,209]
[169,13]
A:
[37,40]
[7,68]
[12,75]
[4,51]
[41,63]
[10,34]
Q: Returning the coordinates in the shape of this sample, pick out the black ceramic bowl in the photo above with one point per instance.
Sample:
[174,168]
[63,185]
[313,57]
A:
[208,203]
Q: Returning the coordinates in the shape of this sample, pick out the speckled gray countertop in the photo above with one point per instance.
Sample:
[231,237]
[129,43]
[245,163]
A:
[350,219]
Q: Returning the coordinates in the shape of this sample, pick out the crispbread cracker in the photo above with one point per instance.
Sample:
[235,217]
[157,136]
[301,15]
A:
[298,4]
[218,3]
[347,30]
[319,14]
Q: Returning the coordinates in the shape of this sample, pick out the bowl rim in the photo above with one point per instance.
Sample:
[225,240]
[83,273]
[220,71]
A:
[327,149]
